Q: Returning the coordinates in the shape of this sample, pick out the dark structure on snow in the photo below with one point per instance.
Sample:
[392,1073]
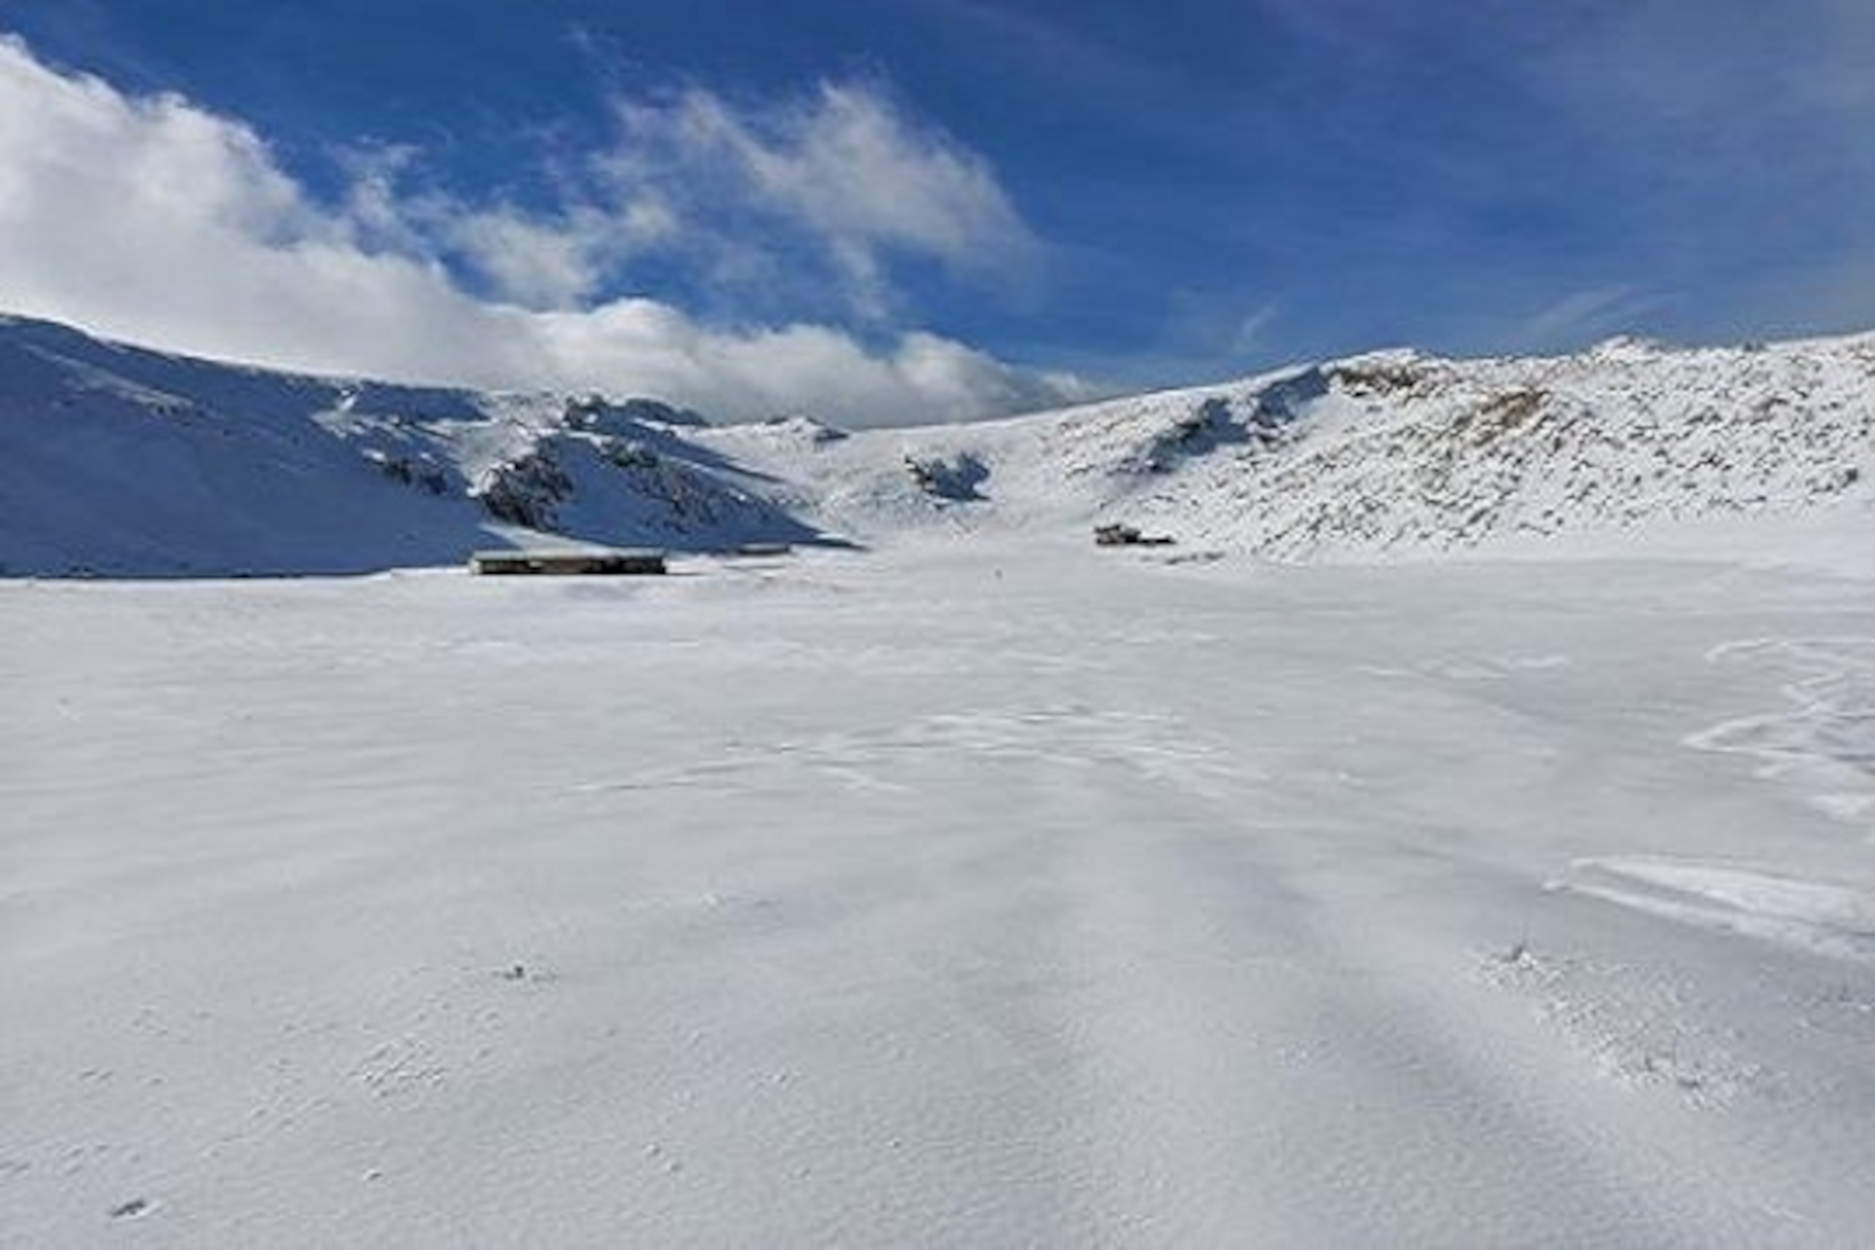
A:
[590,562]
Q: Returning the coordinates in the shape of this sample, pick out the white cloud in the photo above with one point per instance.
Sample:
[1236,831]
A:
[154,220]
[845,169]
[541,259]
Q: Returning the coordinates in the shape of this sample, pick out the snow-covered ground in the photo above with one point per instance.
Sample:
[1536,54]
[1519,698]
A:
[980,890]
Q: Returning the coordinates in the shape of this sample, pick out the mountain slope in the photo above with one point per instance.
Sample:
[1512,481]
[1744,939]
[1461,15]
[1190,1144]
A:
[121,461]
[1453,454]
[1388,453]
[124,461]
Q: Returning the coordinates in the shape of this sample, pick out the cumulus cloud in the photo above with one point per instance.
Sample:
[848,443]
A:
[557,258]
[152,219]
[844,168]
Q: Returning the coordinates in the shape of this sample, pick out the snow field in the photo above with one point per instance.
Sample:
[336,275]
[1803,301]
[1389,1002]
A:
[968,892]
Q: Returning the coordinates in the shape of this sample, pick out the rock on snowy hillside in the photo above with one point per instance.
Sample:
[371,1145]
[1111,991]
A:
[121,461]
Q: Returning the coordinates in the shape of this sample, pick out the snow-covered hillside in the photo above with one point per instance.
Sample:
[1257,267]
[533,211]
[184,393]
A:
[119,461]
[1408,451]
[1389,453]
[122,461]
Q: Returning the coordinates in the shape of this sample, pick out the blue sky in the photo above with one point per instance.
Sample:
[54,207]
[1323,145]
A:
[988,205]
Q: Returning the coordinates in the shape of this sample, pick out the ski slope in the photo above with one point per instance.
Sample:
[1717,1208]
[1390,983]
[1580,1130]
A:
[983,889]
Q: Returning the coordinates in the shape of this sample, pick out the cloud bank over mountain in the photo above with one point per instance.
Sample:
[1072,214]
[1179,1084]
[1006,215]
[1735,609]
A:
[154,219]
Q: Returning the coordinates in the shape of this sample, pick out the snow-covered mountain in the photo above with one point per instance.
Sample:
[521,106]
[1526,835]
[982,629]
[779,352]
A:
[1386,453]
[124,461]
[117,460]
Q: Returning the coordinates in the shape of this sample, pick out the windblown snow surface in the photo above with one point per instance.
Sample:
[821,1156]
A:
[981,887]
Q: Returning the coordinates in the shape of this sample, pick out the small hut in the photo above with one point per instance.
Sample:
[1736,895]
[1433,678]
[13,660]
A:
[568,562]
[1115,534]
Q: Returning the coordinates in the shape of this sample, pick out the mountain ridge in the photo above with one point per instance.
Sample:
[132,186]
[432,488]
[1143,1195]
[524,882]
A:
[119,460]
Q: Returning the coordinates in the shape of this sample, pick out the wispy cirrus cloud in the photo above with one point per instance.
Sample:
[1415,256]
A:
[1592,312]
[1689,168]
[151,218]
